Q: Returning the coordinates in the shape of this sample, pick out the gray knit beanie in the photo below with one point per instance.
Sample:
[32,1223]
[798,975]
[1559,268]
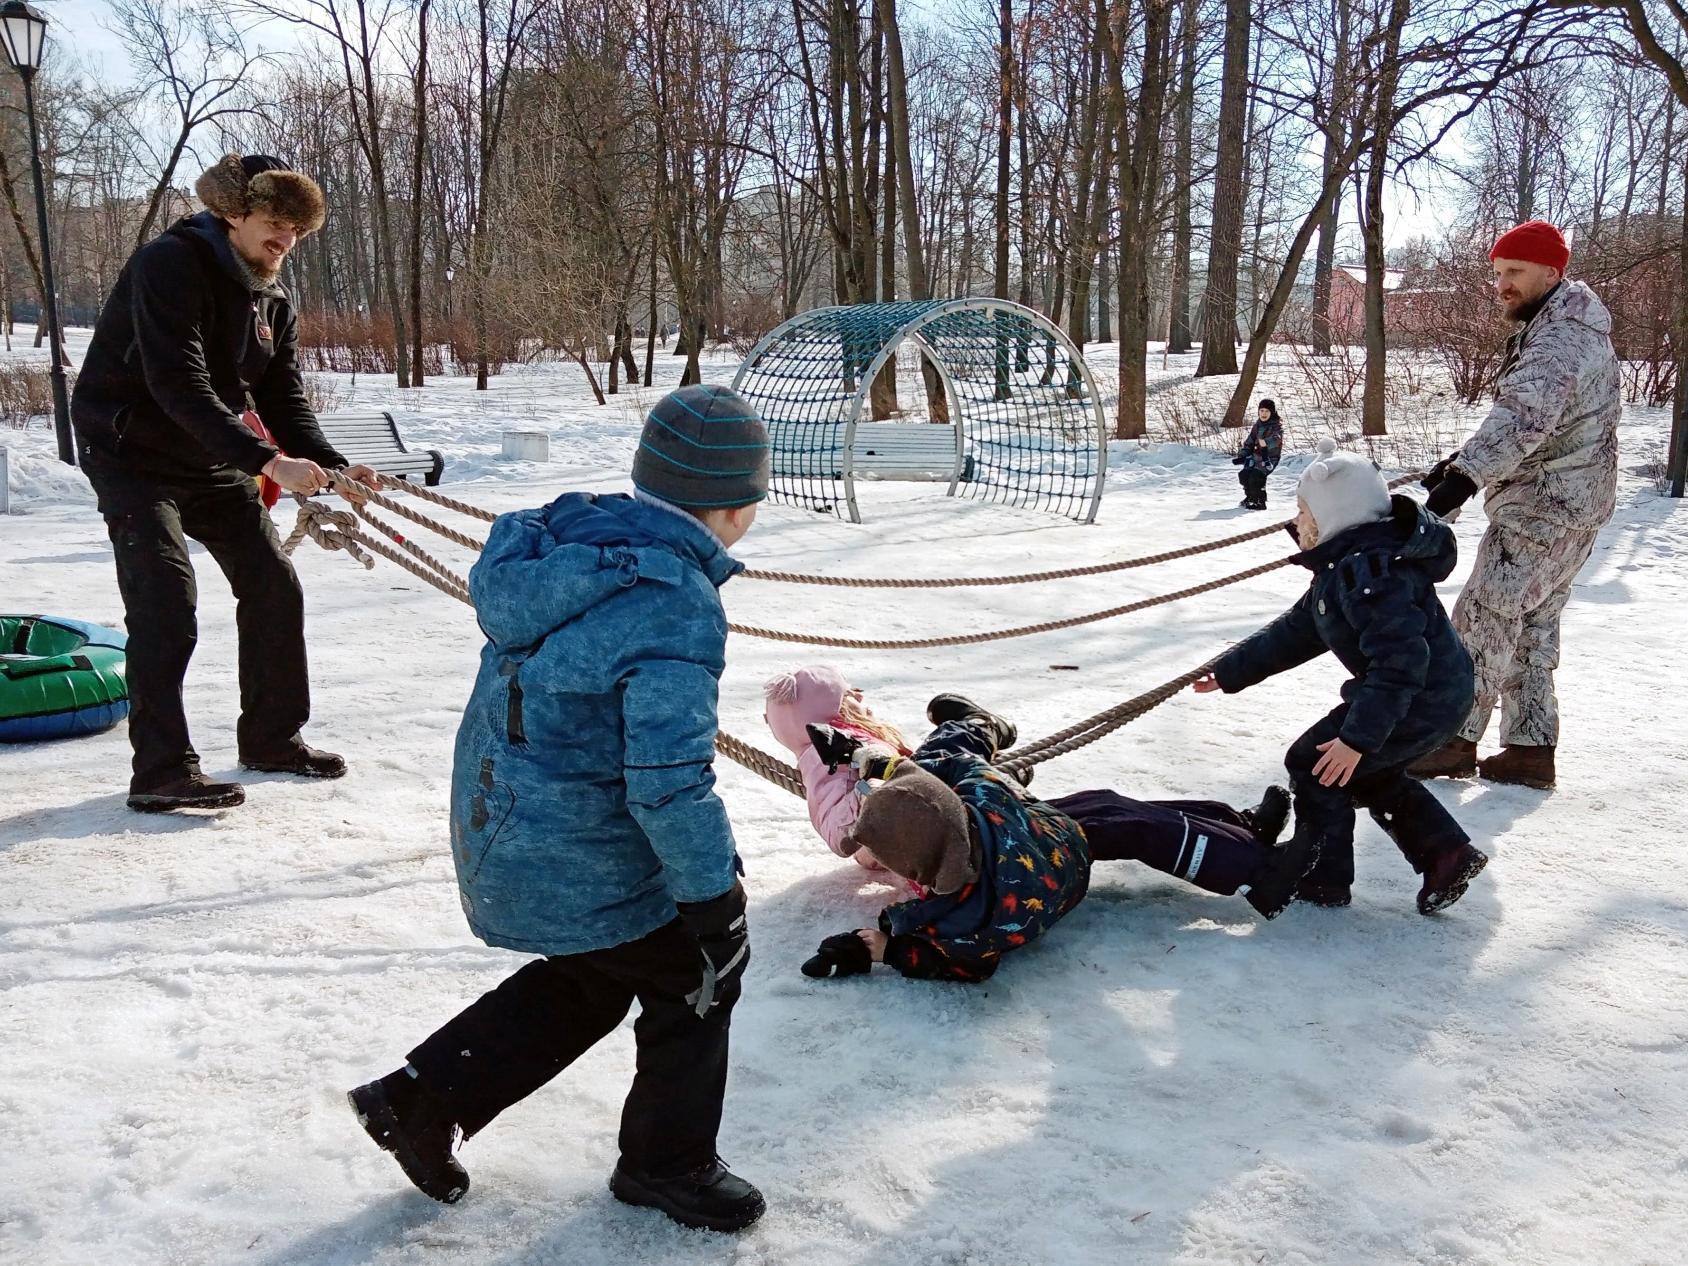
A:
[704,448]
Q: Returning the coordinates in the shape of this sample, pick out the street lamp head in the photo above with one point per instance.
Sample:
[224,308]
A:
[450,273]
[24,32]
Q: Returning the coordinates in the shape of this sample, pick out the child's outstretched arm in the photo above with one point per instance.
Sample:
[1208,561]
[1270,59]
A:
[1288,642]
[668,708]
[831,797]
[1392,637]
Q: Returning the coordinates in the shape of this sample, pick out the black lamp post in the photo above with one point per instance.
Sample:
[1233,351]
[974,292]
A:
[24,32]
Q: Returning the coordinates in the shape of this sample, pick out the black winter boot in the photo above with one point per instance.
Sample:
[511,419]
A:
[1278,882]
[195,791]
[951,707]
[710,1198]
[397,1113]
[1330,896]
[1447,877]
[1268,818]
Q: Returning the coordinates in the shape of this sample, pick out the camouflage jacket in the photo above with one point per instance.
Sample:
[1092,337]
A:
[1547,454]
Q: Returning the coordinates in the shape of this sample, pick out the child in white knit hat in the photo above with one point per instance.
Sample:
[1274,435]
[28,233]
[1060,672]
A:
[1372,603]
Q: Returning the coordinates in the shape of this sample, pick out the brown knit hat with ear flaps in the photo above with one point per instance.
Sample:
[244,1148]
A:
[917,827]
[239,186]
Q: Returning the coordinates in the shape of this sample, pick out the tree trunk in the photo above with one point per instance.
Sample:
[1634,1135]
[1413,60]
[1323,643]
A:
[1004,171]
[937,405]
[650,332]
[161,190]
[418,156]
[1180,334]
[1677,465]
[1372,403]
[1335,124]
[1219,303]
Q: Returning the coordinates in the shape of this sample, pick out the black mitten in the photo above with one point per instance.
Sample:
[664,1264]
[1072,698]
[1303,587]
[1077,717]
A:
[1437,473]
[724,937]
[1453,491]
[843,955]
[834,747]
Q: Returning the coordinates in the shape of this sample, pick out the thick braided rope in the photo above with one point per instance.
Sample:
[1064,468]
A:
[1030,577]
[438,498]
[1024,578]
[973,639]
[1101,725]
[415,551]
[342,485]
[339,530]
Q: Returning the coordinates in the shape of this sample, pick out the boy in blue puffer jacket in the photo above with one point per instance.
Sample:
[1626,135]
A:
[1372,603]
[584,822]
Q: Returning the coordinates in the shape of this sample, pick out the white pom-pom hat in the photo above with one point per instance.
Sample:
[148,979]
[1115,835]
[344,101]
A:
[1342,490]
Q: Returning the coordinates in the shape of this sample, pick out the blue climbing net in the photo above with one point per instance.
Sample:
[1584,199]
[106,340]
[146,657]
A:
[856,393]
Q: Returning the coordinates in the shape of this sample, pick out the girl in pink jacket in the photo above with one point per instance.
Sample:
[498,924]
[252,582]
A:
[819,695]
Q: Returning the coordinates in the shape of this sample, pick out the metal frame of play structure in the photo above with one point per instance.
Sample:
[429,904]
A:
[1025,424]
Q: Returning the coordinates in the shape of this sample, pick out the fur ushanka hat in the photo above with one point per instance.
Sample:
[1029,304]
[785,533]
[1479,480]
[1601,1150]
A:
[239,186]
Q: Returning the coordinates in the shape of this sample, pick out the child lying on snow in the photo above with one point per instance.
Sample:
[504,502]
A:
[1372,603]
[819,695]
[1000,867]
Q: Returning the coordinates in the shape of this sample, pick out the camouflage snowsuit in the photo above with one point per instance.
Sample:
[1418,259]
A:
[1547,455]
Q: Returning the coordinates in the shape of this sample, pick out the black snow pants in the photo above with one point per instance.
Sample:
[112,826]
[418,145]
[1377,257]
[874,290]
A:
[149,524]
[1254,483]
[1406,810]
[510,1042]
[1203,842]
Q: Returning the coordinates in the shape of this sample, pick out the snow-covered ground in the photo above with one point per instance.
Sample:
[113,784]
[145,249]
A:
[1164,1079]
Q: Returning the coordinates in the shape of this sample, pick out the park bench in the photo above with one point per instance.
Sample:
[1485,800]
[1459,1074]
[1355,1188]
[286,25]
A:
[910,451]
[372,439]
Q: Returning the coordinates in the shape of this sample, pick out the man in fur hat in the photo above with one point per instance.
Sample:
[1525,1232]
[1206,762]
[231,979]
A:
[190,389]
[1547,459]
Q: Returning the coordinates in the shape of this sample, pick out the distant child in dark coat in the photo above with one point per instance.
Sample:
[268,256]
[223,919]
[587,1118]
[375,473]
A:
[1001,868]
[1260,454]
[1372,603]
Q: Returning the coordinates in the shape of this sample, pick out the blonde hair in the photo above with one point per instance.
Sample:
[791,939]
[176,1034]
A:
[853,712]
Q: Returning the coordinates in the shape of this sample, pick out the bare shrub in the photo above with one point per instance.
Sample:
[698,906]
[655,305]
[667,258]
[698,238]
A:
[26,391]
[749,317]
[1333,380]
[324,393]
[354,343]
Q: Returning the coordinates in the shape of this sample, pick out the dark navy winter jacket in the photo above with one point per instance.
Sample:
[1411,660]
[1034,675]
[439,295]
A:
[1266,459]
[181,347]
[1372,603]
[1034,867]
[582,798]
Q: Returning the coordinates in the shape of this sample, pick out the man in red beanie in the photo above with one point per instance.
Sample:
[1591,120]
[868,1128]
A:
[1547,456]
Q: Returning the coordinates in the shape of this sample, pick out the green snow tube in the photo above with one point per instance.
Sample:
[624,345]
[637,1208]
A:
[59,678]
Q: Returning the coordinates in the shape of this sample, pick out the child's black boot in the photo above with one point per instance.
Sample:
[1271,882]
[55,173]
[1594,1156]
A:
[952,707]
[1448,875]
[1280,874]
[403,1119]
[710,1198]
[1268,818]
[1329,896]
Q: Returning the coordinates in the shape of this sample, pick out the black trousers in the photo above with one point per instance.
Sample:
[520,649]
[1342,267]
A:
[1203,842]
[1406,810]
[1254,483]
[149,524]
[510,1042]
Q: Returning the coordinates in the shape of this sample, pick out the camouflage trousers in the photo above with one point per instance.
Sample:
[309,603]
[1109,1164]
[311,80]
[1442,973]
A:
[1508,616]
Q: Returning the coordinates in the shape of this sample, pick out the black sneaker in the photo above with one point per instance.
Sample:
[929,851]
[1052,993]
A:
[1268,818]
[194,791]
[307,762]
[710,1198]
[1278,882]
[1448,876]
[951,707]
[420,1140]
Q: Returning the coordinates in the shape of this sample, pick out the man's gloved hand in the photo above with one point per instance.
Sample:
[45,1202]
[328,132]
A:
[724,938]
[843,955]
[1451,492]
[1237,460]
[1437,473]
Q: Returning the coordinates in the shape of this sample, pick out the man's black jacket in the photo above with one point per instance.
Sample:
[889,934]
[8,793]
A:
[1372,603]
[182,344]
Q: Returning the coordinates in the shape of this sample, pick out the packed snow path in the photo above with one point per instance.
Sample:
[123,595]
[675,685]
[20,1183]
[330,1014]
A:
[1164,1079]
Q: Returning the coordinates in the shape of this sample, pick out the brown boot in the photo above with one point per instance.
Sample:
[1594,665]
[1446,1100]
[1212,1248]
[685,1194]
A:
[1524,766]
[1457,758]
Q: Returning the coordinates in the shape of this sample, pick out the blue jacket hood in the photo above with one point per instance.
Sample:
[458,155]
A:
[542,568]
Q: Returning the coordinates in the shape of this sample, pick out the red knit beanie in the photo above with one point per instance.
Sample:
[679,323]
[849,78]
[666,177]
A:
[1533,242]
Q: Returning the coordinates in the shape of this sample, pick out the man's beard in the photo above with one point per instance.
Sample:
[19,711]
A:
[260,268]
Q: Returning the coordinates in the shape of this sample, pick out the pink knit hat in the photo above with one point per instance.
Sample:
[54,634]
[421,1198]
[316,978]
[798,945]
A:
[804,696]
